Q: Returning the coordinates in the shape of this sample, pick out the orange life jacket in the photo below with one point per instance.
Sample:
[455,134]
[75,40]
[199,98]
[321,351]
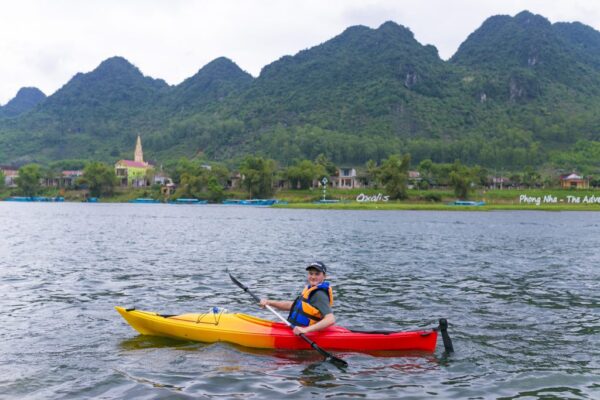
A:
[302,312]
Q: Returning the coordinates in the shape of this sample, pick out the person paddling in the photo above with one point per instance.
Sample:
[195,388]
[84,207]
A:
[312,310]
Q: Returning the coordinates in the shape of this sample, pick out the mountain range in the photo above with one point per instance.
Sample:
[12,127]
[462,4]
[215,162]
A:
[520,91]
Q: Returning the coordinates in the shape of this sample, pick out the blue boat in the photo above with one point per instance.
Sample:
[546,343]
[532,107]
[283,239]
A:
[231,202]
[91,200]
[258,202]
[188,201]
[466,203]
[143,200]
[17,198]
[252,202]
[42,199]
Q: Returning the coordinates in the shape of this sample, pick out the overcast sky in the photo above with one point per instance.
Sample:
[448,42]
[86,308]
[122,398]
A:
[43,43]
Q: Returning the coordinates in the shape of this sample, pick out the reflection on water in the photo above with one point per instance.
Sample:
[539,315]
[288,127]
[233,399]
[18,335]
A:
[141,342]
[319,374]
[145,381]
[520,290]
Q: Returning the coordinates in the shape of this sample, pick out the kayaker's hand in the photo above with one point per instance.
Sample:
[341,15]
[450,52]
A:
[264,303]
[298,330]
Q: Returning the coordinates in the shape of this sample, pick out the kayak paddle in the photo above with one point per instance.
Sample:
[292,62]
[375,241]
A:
[328,356]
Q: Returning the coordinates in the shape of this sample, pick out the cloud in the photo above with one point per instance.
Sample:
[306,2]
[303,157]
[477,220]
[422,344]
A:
[45,42]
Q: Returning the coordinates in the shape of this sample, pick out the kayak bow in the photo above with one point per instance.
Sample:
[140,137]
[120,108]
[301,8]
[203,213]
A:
[249,331]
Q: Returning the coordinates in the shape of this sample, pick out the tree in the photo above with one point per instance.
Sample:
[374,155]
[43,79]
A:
[2,182]
[50,175]
[303,173]
[393,175]
[372,173]
[28,180]
[440,173]
[327,164]
[191,184]
[425,168]
[481,175]
[461,178]
[531,177]
[198,180]
[258,176]
[61,165]
[216,191]
[99,178]
[184,166]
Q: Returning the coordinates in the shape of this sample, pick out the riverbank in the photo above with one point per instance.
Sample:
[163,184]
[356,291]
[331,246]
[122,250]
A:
[442,199]
[438,207]
[373,199]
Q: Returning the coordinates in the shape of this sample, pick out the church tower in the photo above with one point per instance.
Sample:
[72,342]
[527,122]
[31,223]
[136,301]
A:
[139,154]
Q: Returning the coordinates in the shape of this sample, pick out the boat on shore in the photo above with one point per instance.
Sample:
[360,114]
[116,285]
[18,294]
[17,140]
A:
[251,202]
[188,201]
[467,203]
[144,200]
[250,331]
[41,199]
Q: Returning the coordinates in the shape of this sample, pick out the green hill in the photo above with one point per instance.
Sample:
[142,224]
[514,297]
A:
[519,91]
[26,99]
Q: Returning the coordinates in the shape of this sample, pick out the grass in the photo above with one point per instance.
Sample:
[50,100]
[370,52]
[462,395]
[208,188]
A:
[505,199]
[407,206]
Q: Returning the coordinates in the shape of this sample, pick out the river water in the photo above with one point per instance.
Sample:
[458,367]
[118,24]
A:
[519,289]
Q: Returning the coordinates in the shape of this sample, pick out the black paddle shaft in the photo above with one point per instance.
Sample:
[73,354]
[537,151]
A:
[328,356]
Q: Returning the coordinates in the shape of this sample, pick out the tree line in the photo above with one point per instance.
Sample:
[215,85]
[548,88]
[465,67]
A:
[259,177]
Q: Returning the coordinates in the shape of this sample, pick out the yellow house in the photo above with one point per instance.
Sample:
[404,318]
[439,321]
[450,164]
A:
[134,172]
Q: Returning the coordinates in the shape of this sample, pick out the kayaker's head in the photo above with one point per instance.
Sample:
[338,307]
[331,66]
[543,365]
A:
[316,273]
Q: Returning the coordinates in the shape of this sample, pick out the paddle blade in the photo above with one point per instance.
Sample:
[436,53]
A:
[338,362]
[243,287]
[445,336]
[240,284]
[328,356]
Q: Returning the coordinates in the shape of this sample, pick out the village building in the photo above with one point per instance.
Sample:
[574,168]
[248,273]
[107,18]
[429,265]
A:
[69,178]
[134,172]
[346,178]
[161,178]
[66,179]
[574,181]
[10,176]
[499,182]
[234,181]
[414,178]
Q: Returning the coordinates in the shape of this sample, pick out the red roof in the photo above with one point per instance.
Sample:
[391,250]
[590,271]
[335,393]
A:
[133,164]
[10,172]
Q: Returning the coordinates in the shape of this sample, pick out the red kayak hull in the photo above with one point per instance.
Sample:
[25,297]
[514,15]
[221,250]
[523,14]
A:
[255,332]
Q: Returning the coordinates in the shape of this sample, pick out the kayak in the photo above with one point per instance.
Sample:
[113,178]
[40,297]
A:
[249,331]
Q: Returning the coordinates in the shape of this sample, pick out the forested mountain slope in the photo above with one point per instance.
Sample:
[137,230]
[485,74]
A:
[519,91]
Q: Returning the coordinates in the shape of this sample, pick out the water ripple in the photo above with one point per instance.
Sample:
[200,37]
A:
[520,290]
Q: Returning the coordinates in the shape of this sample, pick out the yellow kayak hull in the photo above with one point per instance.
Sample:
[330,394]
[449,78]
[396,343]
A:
[249,331]
[242,329]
